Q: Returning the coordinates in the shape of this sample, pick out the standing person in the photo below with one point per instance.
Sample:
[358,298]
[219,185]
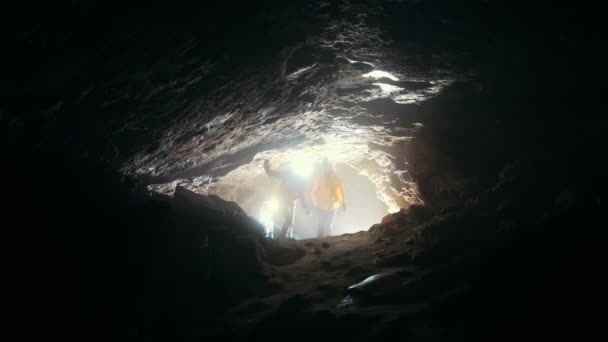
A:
[290,193]
[327,196]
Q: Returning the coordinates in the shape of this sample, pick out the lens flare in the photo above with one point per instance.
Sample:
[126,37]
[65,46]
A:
[303,166]
[266,217]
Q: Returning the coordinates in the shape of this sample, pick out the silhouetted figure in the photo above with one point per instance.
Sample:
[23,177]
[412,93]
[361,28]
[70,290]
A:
[291,192]
[327,196]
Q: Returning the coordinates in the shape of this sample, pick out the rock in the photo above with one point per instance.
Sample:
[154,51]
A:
[327,288]
[300,58]
[327,57]
[280,253]
[390,218]
[398,259]
[294,303]
[197,211]
[342,61]
[346,302]
[417,212]
[355,272]
[413,85]
[325,245]
[216,241]
[362,66]
[211,204]
[326,266]
[408,85]
[418,256]
[377,285]
[386,106]
[354,89]
[340,45]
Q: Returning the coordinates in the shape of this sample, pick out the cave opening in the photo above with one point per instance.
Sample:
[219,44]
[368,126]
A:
[366,176]
[258,199]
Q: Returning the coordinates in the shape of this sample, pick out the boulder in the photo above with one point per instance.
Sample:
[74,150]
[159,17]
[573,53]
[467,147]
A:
[207,205]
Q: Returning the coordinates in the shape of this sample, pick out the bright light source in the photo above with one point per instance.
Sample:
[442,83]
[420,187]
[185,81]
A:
[378,74]
[266,218]
[303,167]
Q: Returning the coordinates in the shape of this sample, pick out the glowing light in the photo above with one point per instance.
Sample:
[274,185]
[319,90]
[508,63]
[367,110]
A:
[303,166]
[378,74]
[266,218]
[387,88]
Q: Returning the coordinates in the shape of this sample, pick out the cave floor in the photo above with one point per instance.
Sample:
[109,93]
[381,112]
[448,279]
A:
[315,284]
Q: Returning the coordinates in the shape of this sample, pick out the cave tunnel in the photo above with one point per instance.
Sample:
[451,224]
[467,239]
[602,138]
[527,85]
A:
[467,137]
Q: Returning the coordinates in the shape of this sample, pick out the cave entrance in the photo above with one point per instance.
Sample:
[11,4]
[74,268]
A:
[256,193]
[375,183]
[364,208]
